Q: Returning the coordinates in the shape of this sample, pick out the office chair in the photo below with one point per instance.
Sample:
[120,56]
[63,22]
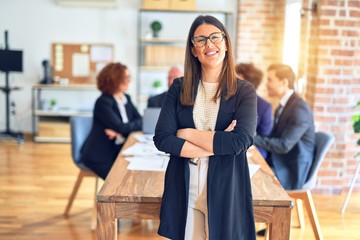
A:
[80,128]
[323,142]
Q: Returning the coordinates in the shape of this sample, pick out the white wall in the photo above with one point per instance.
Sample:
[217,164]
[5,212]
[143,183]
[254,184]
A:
[34,25]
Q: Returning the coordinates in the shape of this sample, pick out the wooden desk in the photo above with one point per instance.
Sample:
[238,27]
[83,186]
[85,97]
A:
[137,194]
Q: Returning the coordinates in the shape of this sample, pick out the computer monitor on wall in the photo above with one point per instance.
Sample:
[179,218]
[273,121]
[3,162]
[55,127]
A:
[11,60]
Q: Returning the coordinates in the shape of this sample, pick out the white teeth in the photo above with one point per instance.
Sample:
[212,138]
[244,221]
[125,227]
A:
[210,53]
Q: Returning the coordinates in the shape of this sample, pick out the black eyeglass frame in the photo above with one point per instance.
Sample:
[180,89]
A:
[208,38]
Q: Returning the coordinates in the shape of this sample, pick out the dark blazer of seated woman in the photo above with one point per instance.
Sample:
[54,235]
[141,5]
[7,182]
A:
[113,112]
[248,72]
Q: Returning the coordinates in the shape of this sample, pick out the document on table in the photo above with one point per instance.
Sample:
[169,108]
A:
[144,137]
[148,163]
[142,149]
[253,168]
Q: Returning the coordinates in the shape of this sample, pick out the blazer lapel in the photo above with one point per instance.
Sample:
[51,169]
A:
[286,111]
[189,111]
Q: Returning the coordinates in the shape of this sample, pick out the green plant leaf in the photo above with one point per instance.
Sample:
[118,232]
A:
[356,122]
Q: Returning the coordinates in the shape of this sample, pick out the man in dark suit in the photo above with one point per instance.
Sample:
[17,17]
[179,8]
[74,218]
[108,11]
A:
[292,141]
[158,100]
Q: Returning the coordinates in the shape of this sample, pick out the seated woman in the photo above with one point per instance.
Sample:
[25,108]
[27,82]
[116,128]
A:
[247,71]
[114,118]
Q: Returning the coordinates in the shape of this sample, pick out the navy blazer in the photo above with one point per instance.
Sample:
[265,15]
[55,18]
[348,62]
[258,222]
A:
[264,121]
[157,100]
[229,196]
[98,152]
[291,143]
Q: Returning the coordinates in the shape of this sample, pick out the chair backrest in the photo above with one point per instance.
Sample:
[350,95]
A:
[323,141]
[80,128]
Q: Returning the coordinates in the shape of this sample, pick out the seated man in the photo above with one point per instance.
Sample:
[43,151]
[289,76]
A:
[292,141]
[158,100]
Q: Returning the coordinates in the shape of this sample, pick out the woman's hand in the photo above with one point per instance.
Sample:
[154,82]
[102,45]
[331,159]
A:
[112,134]
[231,126]
[182,133]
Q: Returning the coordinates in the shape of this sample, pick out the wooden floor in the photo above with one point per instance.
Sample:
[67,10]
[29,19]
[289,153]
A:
[36,180]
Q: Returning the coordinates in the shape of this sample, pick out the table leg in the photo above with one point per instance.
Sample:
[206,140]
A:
[106,228]
[280,226]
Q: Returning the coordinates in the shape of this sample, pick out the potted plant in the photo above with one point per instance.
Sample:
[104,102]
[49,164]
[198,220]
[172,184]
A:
[53,104]
[157,86]
[155,27]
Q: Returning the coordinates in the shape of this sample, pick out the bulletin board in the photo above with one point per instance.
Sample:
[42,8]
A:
[80,62]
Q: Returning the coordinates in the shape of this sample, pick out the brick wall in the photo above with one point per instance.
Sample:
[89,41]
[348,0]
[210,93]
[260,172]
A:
[330,63]
[260,32]
[334,86]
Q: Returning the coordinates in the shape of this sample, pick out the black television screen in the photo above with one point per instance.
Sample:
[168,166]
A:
[11,60]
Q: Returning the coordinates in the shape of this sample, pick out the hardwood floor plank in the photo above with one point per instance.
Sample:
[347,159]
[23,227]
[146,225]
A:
[36,180]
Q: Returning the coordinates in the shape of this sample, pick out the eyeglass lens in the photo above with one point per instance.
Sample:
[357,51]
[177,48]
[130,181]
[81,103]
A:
[215,38]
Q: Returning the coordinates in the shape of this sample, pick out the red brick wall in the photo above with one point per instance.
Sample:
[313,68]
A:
[260,31]
[330,62]
[260,34]
[334,87]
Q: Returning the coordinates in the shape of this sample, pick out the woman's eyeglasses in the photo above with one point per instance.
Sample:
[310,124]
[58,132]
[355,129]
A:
[215,38]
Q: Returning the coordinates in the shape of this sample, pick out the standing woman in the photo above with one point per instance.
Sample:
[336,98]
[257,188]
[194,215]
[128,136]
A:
[114,118]
[207,123]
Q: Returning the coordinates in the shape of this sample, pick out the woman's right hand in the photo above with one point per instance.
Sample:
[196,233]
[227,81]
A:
[231,126]
[112,134]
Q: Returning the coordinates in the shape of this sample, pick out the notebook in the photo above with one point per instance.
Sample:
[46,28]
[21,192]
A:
[150,118]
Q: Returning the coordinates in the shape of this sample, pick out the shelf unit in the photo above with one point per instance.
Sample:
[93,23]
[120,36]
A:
[157,55]
[53,125]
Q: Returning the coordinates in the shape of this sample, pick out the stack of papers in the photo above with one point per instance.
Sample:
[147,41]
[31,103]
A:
[144,156]
[142,149]
[150,163]
[253,168]
[144,137]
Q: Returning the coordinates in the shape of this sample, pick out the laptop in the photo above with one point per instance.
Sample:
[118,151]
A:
[150,118]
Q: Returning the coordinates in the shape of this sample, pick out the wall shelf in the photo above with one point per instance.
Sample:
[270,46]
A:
[52,125]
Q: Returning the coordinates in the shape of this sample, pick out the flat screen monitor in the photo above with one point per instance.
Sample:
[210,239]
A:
[11,60]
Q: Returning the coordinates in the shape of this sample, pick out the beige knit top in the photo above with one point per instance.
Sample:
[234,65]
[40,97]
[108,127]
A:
[205,109]
[205,116]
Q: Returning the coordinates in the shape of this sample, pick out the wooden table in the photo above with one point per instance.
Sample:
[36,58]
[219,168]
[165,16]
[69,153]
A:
[137,195]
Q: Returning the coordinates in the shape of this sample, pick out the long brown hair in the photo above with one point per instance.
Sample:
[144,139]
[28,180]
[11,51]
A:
[192,67]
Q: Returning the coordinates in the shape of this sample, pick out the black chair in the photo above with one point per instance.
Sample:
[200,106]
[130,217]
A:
[80,128]
[323,142]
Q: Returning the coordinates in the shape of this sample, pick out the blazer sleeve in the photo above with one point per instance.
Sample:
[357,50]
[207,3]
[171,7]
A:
[105,112]
[241,138]
[299,120]
[266,121]
[165,138]
[151,103]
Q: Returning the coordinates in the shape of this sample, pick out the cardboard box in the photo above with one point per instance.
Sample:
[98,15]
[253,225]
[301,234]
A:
[53,129]
[160,55]
[156,4]
[182,4]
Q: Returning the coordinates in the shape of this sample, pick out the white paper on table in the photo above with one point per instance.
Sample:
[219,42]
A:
[150,163]
[253,168]
[144,137]
[142,149]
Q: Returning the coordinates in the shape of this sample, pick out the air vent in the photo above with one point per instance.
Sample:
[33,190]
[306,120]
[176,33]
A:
[88,3]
